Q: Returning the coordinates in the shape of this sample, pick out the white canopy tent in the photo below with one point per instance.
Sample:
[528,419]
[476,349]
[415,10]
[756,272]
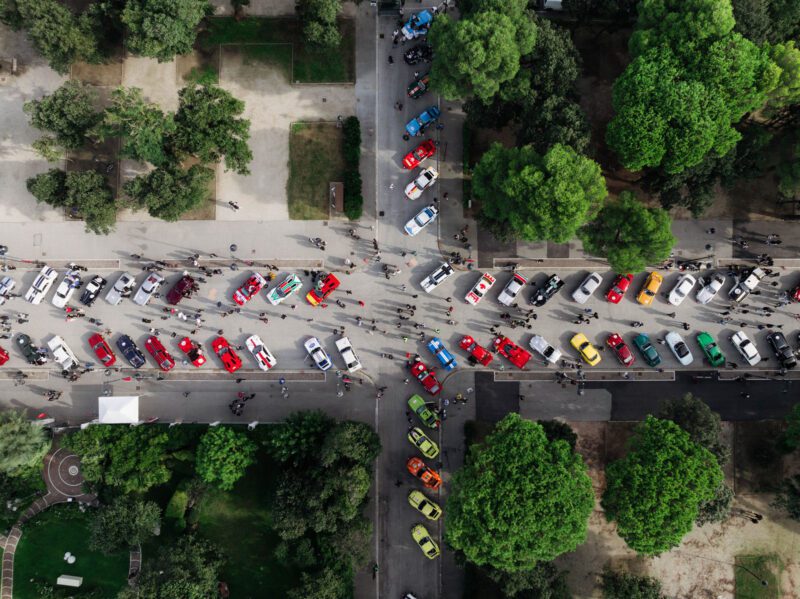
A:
[118,410]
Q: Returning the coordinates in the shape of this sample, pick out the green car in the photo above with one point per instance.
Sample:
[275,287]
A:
[710,349]
[418,87]
[417,405]
[422,442]
[649,353]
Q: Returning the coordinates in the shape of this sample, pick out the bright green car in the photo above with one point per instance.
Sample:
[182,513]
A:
[710,349]
[417,405]
[422,442]
[425,541]
[424,506]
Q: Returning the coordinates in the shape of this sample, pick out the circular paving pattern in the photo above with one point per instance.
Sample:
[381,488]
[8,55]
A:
[63,474]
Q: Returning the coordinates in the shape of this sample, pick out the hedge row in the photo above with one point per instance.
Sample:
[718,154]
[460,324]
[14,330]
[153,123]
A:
[351,150]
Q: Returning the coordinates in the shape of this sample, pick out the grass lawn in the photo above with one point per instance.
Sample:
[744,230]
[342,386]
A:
[315,159]
[310,65]
[758,567]
[40,555]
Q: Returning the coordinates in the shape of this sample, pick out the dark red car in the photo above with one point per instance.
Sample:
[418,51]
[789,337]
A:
[102,350]
[159,353]
[796,294]
[621,349]
[183,288]
[426,376]
[419,154]
[477,352]
[514,353]
[618,288]
[225,352]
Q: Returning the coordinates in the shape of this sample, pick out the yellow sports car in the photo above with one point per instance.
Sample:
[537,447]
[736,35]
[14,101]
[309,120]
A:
[587,351]
[422,442]
[424,506]
[651,287]
[425,542]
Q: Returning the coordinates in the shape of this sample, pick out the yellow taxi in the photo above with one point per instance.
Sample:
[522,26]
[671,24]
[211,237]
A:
[650,289]
[584,347]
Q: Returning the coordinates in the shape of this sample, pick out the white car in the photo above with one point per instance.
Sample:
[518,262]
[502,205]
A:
[744,287]
[62,353]
[433,280]
[587,288]
[423,218]
[7,285]
[480,288]
[319,355]
[120,289]
[148,287]
[348,354]
[426,178]
[66,288]
[540,345]
[263,356]
[679,348]
[512,289]
[710,289]
[681,289]
[41,285]
[291,284]
[746,347]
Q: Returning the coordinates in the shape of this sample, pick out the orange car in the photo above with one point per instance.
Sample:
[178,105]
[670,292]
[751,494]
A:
[430,478]
[324,287]
[650,289]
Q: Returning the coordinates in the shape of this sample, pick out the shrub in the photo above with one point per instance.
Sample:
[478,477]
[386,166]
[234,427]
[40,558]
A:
[352,141]
[353,200]
[176,508]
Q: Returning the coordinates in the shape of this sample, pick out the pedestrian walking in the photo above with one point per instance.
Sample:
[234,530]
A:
[360,303]
[391,59]
[146,320]
[234,205]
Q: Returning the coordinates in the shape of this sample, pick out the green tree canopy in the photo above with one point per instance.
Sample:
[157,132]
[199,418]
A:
[163,28]
[223,456]
[209,127]
[319,21]
[704,425]
[518,499]
[126,521]
[142,126]
[169,191]
[476,54]
[790,439]
[23,444]
[629,234]
[771,21]
[788,497]
[68,113]
[621,585]
[787,57]
[654,492]
[295,441]
[543,581]
[536,197]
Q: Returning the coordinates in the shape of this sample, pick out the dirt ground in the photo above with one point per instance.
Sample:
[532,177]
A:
[702,567]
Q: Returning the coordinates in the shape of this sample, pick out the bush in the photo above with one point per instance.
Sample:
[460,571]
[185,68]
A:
[353,200]
[352,141]
[176,508]
[351,150]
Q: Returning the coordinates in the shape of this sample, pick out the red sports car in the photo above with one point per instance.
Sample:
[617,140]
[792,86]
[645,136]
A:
[193,351]
[159,353]
[478,353]
[250,289]
[796,294]
[102,350]
[426,376]
[325,286]
[3,356]
[420,154]
[225,352]
[513,352]
[618,289]
[621,349]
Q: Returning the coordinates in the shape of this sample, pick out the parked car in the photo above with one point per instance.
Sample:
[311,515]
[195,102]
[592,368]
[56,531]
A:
[541,346]
[263,356]
[7,285]
[417,88]
[230,359]
[317,353]
[618,289]
[419,154]
[481,288]
[92,290]
[710,288]
[4,357]
[422,121]
[122,288]
[194,353]
[512,289]
[679,348]
[33,355]
[433,280]
[651,356]
[518,356]
[41,285]
[326,285]
[422,442]
[423,538]
[585,349]
[587,288]
[711,350]
[102,350]
[351,361]
[447,360]
[477,353]
[423,505]
[291,284]
[62,354]
[423,412]
[746,348]
[160,354]
[426,178]
[681,289]
[426,376]
[782,349]
[620,349]
[148,287]
[183,288]
[251,288]
[429,478]
[541,294]
[795,294]
[417,25]
[746,285]
[420,53]
[65,289]
[650,288]
[422,219]
[132,354]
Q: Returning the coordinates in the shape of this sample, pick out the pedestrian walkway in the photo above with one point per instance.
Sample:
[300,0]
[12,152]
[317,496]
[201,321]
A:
[135,564]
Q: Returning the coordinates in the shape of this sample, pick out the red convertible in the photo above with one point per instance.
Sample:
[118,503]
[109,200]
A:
[421,153]
[426,376]
[192,351]
[225,352]
[477,353]
[250,289]
[512,352]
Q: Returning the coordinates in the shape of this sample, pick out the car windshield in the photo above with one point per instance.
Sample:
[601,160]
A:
[681,349]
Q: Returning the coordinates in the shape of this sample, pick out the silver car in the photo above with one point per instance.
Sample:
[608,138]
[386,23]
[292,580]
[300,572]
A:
[148,287]
[681,290]
[540,345]
[62,353]
[587,288]
[121,288]
[746,348]
[710,289]
[41,285]
[433,280]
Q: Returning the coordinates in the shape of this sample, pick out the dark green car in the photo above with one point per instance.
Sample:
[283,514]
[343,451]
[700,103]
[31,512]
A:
[649,353]
[710,349]
[419,87]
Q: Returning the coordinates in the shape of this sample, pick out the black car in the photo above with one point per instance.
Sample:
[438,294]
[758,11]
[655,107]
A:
[132,353]
[544,292]
[782,350]
[419,53]
[92,290]
[34,355]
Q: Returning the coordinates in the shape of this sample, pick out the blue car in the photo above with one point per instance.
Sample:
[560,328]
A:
[132,353]
[417,25]
[417,125]
[440,351]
